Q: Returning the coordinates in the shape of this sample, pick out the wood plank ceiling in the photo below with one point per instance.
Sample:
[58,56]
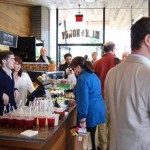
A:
[119,13]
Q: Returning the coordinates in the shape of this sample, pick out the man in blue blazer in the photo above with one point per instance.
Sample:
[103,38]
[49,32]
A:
[8,93]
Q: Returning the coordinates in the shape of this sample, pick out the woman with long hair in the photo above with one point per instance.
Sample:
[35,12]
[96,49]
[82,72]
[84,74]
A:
[22,81]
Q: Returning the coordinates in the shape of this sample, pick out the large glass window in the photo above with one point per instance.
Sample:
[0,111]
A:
[118,27]
[88,31]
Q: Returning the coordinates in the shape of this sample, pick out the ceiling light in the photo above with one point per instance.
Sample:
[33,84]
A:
[90,1]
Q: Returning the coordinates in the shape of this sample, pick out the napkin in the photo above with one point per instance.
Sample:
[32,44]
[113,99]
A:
[29,133]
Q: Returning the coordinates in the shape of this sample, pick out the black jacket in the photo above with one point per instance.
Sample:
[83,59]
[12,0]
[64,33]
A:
[42,60]
[7,87]
[63,67]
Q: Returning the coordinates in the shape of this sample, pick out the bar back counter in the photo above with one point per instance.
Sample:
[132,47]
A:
[57,138]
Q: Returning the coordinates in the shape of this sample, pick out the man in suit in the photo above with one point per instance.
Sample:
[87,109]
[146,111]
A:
[127,93]
[8,93]
[43,56]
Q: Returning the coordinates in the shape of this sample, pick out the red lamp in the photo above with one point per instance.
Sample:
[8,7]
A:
[79,17]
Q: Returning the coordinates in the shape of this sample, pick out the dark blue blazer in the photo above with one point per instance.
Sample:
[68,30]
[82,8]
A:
[7,87]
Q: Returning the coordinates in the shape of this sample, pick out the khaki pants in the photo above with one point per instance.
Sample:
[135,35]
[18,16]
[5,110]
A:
[103,136]
[104,133]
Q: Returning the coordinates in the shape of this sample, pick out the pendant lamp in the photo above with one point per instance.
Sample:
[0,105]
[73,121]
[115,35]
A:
[79,16]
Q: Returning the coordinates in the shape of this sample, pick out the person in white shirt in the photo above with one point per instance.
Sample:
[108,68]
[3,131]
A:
[22,81]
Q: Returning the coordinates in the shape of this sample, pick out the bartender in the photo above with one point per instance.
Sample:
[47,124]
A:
[42,59]
[43,56]
[8,93]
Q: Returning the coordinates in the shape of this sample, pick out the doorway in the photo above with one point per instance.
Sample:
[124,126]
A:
[78,50]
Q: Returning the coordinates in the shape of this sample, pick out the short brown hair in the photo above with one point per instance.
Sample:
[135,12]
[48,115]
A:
[67,55]
[5,55]
[138,32]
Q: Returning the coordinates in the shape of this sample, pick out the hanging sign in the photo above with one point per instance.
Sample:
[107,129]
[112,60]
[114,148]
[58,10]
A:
[78,33]
[8,39]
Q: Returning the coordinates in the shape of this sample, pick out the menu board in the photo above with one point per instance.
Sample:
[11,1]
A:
[8,39]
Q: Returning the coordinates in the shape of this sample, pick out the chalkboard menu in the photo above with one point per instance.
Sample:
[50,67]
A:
[8,39]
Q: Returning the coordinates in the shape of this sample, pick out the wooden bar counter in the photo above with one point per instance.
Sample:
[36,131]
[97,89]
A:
[56,138]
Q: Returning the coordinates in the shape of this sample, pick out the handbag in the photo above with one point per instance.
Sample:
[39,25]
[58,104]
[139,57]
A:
[83,142]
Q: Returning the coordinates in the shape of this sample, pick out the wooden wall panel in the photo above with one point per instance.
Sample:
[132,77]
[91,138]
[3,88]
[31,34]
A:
[15,19]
